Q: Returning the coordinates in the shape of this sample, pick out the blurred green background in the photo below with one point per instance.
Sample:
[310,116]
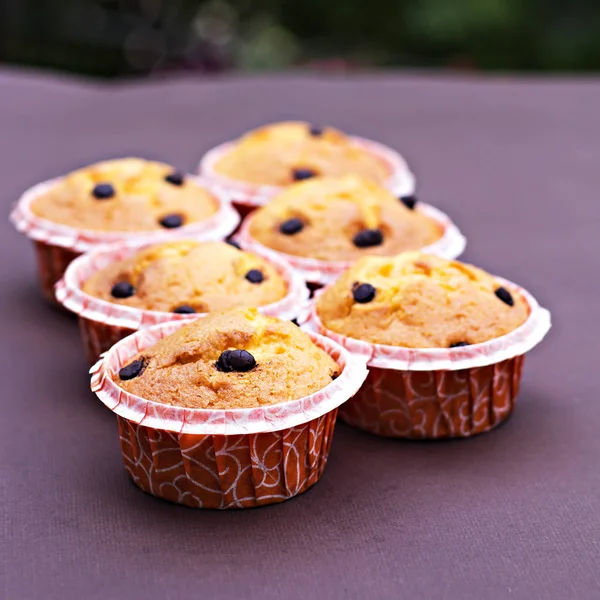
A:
[112,38]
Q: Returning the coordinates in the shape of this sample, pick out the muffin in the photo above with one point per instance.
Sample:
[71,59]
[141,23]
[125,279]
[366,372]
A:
[416,300]
[282,153]
[186,276]
[234,410]
[129,194]
[118,289]
[445,343]
[240,359]
[115,201]
[341,219]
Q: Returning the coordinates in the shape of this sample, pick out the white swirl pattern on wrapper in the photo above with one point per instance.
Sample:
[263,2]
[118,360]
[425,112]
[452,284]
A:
[214,228]
[70,294]
[278,482]
[451,245]
[401,181]
[419,410]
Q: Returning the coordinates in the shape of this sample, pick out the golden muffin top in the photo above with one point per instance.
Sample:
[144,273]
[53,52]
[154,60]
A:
[187,276]
[341,219]
[129,194]
[236,359]
[417,300]
[282,153]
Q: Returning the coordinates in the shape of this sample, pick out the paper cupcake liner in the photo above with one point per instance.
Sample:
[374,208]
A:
[227,471]
[246,196]
[57,244]
[322,272]
[234,458]
[440,392]
[104,323]
[52,262]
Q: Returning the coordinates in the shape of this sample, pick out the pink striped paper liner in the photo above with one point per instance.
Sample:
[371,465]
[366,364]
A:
[239,421]
[451,245]
[107,315]
[517,342]
[401,181]
[216,227]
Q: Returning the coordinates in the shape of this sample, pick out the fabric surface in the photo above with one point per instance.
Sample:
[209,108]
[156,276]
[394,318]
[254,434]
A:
[511,514]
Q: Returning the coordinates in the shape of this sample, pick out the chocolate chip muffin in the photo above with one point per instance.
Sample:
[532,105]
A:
[187,276]
[237,359]
[282,153]
[129,194]
[342,219]
[417,300]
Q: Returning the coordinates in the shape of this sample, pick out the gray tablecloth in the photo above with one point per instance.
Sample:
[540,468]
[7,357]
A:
[511,514]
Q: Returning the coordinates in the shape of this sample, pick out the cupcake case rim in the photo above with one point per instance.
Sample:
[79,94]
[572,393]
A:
[70,294]
[216,227]
[451,245]
[516,342]
[238,421]
[401,182]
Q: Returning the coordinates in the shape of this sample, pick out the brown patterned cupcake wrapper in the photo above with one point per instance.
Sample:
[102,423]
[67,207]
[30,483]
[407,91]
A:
[440,393]
[52,262]
[227,471]
[247,196]
[234,458]
[105,323]
[57,245]
[322,272]
[98,337]
[435,404]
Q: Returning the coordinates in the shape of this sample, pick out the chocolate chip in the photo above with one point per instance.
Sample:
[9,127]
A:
[132,370]
[255,276]
[122,289]
[363,292]
[504,295]
[367,238]
[185,309]
[175,178]
[235,360]
[295,322]
[291,226]
[300,174]
[233,243]
[102,191]
[459,344]
[409,201]
[171,221]
[316,130]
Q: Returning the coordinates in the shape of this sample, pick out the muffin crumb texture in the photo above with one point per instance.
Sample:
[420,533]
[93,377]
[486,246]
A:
[129,194]
[282,153]
[417,300]
[186,277]
[236,359]
[341,219]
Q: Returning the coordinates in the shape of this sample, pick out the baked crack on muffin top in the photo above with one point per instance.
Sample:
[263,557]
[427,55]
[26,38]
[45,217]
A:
[417,300]
[187,276]
[282,153]
[235,359]
[129,195]
[341,219]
